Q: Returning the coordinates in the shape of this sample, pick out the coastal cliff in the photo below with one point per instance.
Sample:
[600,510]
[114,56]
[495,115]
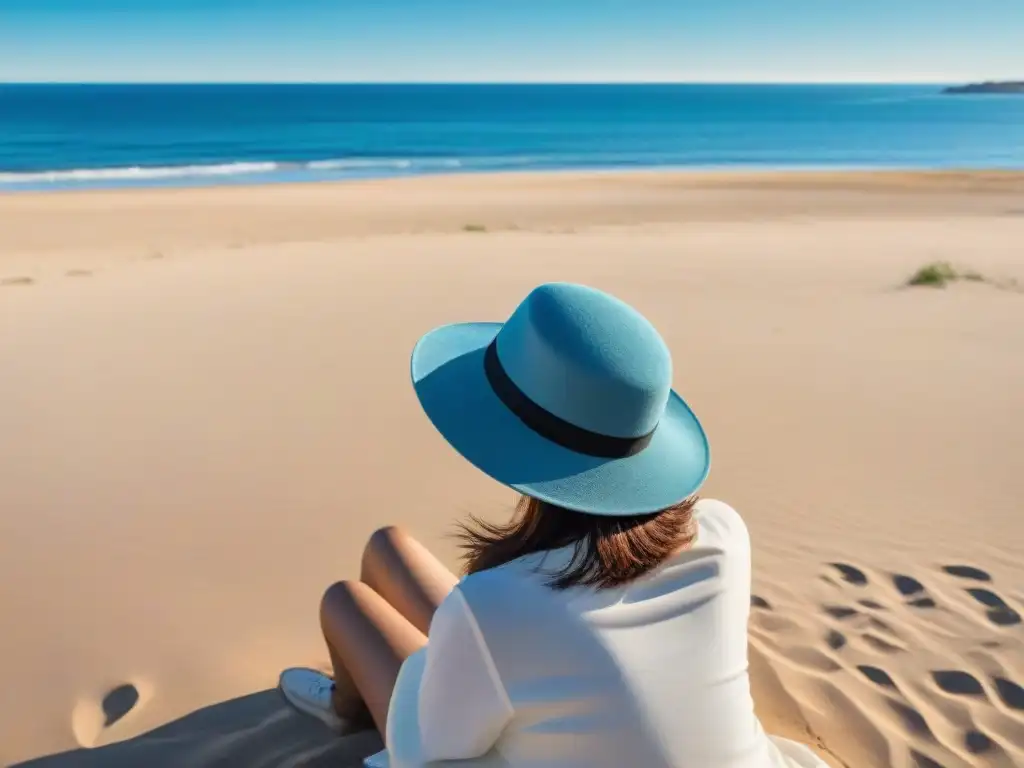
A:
[991,87]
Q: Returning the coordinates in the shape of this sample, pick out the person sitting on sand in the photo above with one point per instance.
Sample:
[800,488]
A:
[605,625]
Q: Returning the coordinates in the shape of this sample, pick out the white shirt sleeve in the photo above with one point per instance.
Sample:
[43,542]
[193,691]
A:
[463,705]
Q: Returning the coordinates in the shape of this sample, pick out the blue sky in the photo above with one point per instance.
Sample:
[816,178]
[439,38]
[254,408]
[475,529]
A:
[510,40]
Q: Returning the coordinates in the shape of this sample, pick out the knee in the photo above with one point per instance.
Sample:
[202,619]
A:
[340,597]
[381,544]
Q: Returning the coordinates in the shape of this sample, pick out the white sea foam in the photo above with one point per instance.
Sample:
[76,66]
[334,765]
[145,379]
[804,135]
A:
[156,173]
[140,173]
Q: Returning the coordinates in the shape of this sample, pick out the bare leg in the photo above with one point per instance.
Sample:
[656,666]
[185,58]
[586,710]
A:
[372,626]
[406,574]
[368,640]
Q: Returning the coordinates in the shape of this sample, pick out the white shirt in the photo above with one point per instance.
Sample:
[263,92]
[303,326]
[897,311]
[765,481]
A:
[651,674]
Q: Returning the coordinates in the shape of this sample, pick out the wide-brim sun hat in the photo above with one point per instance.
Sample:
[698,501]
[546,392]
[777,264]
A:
[569,401]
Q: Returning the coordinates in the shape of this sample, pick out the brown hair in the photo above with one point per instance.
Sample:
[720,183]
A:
[607,551]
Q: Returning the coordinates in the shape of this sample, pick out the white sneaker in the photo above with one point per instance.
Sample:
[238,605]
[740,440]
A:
[311,692]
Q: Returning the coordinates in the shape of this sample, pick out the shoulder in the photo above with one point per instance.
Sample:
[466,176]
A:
[523,573]
[503,581]
[723,521]
[455,622]
[508,597]
[722,530]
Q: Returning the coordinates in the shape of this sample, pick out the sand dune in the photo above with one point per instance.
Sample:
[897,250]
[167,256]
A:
[206,411]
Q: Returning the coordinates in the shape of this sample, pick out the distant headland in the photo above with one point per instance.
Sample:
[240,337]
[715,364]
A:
[995,87]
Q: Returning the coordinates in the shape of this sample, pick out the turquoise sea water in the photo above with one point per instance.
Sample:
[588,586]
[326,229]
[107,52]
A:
[145,135]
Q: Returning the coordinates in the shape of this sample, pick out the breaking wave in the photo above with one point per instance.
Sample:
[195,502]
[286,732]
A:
[143,174]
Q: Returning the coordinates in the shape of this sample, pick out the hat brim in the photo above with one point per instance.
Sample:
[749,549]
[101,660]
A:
[448,375]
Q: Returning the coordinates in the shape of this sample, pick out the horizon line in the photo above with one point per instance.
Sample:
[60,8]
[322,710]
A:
[503,82]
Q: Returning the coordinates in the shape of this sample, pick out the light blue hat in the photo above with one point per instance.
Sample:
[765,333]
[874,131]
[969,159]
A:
[570,401]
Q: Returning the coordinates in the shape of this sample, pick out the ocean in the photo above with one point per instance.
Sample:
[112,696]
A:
[73,136]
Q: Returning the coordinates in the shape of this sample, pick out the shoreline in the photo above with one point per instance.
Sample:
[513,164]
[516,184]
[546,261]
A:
[694,171]
[831,176]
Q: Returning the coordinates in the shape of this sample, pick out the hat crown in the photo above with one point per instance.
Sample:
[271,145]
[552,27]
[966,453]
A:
[588,358]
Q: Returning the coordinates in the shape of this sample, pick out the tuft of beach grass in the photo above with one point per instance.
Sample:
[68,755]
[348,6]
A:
[474,228]
[938,274]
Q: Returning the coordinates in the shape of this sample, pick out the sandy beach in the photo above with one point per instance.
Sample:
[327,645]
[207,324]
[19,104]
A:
[206,410]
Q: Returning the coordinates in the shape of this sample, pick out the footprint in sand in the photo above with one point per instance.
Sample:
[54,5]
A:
[835,640]
[967,572]
[840,611]
[912,720]
[861,611]
[1010,693]
[977,743]
[851,574]
[913,590]
[923,761]
[877,676]
[878,635]
[999,611]
[957,682]
[915,721]
[907,586]
[91,718]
